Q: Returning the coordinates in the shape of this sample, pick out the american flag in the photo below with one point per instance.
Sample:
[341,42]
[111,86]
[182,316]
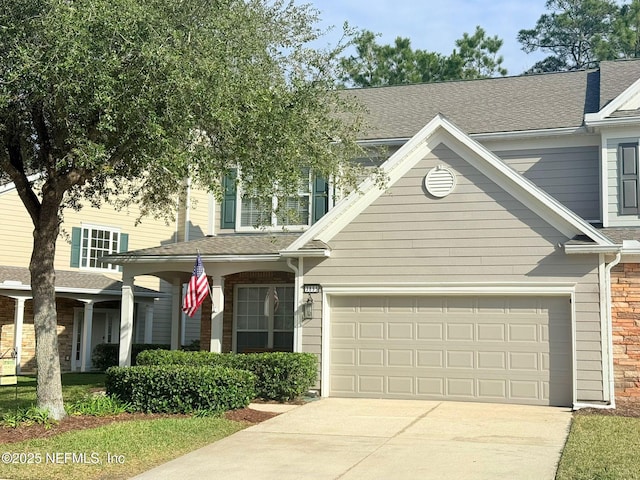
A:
[197,290]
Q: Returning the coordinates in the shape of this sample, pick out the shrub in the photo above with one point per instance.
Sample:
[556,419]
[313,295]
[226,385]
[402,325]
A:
[105,355]
[279,375]
[97,406]
[28,416]
[180,388]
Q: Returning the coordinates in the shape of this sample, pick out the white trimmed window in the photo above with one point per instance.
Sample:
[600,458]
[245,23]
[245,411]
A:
[97,242]
[296,212]
[263,318]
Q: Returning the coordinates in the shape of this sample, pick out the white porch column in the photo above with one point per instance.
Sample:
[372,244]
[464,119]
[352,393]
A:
[87,328]
[148,323]
[217,311]
[18,320]
[126,322]
[176,313]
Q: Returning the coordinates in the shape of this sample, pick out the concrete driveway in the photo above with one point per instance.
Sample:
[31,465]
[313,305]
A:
[337,438]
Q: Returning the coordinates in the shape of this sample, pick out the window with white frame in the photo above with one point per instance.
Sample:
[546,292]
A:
[293,211]
[96,243]
[264,318]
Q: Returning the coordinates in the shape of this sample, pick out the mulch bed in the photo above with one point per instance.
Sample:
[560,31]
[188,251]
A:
[81,422]
[624,408]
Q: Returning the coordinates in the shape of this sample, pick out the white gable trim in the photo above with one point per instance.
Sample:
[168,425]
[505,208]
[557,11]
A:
[11,186]
[440,130]
[629,97]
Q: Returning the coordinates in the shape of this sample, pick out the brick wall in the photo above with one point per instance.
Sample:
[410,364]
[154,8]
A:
[230,281]
[65,309]
[625,293]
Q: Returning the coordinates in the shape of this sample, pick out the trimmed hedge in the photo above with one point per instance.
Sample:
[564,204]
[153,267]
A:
[180,388]
[106,355]
[279,375]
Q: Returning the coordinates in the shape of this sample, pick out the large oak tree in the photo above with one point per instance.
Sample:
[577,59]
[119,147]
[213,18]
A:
[121,100]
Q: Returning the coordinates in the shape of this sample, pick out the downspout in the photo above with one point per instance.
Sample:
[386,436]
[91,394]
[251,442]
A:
[609,319]
[297,344]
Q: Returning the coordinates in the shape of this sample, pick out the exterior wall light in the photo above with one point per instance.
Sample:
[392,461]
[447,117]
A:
[307,307]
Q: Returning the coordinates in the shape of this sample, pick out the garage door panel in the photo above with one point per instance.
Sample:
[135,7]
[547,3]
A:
[478,348]
[400,331]
[460,332]
[430,386]
[430,358]
[372,331]
[372,384]
[430,331]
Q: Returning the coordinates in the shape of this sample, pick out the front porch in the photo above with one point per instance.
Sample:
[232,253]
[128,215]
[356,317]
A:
[255,299]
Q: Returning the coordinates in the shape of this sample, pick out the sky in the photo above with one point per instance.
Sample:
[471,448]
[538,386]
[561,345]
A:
[435,25]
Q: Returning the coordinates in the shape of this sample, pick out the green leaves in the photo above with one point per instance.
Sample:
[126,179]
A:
[580,33]
[124,84]
[397,64]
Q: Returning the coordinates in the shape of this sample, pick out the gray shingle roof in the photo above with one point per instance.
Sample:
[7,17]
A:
[227,244]
[505,104]
[617,235]
[66,280]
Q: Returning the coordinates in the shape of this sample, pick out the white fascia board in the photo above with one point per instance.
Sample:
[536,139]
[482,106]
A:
[509,135]
[613,122]
[11,186]
[522,134]
[81,291]
[445,288]
[434,133]
[323,253]
[616,104]
[351,206]
[526,191]
[582,249]
[126,259]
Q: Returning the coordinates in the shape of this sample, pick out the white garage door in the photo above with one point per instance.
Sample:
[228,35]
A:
[493,349]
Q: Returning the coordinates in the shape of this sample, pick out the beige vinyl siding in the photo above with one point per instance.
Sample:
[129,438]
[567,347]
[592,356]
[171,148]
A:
[15,248]
[479,234]
[613,204]
[571,175]
[16,241]
[198,216]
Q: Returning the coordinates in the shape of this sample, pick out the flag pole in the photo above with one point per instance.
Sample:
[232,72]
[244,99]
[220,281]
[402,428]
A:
[213,307]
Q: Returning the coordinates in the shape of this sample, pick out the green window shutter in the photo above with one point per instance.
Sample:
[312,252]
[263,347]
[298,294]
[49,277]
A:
[124,242]
[629,185]
[228,210]
[124,245]
[320,198]
[76,240]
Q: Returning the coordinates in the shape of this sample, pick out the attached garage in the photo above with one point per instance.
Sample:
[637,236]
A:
[507,349]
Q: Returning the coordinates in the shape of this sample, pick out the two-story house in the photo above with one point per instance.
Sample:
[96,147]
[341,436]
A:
[88,289]
[500,261]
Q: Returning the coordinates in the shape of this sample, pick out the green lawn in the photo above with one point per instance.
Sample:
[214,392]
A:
[74,387]
[601,447]
[118,450]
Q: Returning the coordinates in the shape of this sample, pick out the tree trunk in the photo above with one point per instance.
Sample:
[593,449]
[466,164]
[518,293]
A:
[49,389]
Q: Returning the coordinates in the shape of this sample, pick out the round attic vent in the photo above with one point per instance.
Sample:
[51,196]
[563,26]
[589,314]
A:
[440,181]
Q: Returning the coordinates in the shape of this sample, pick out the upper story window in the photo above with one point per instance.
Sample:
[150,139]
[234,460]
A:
[90,243]
[628,178]
[298,211]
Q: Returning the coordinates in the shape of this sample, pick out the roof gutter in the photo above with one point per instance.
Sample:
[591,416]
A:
[126,259]
[584,249]
[518,134]
[612,122]
[316,252]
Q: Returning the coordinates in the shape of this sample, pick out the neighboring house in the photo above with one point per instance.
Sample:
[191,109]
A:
[500,262]
[88,290]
